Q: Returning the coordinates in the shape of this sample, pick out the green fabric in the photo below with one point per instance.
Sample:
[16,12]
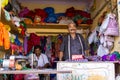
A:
[25,68]
[117,53]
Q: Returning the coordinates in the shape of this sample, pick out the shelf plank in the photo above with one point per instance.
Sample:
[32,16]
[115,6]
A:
[47,26]
[50,28]
[55,26]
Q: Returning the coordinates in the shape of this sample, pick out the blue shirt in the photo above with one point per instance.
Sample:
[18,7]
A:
[75,46]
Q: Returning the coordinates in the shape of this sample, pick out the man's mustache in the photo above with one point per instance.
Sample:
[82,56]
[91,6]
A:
[72,29]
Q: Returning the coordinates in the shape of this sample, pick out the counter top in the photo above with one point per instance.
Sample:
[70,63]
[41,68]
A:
[43,71]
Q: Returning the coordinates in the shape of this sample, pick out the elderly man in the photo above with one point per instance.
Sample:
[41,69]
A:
[73,44]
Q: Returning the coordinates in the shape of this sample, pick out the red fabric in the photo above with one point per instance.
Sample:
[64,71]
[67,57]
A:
[52,59]
[23,30]
[82,13]
[70,12]
[90,21]
[30,14]
[71,9]
[41,13]
[19,77]
[34,40]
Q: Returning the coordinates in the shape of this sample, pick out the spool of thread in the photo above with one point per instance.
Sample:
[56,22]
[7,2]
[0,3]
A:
[6,63]
[12,64]
[12,52]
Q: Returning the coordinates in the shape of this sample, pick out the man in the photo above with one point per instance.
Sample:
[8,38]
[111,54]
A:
[41,58]
[73,44]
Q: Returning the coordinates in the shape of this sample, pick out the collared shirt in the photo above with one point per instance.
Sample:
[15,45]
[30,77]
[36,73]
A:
[42,59]
[75,46]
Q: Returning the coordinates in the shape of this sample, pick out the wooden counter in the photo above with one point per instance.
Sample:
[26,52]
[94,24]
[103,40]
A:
[34,71]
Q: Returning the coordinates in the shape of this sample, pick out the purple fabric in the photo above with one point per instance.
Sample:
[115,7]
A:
[25,44]
[23,12]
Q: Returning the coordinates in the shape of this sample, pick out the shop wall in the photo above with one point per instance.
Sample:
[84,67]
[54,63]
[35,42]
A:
[117,42]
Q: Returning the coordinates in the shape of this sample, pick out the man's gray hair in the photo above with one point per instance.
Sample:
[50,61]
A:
[72,23]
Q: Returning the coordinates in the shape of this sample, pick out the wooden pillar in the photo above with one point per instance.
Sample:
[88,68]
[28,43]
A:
[117,40]
[0,8]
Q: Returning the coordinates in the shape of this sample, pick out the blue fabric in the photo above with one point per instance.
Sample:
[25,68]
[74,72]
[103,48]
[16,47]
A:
[59,14]
[51,19]
[49,10]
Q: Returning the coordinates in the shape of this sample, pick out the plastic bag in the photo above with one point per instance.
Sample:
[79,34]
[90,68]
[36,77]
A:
[102,51]
[109,38]
[91,38]
[104,25]
[102,39]
[112,27]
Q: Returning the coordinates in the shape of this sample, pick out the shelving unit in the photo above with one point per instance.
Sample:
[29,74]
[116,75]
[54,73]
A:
[14,29]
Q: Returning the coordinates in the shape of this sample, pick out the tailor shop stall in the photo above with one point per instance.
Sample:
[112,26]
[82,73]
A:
[23,26]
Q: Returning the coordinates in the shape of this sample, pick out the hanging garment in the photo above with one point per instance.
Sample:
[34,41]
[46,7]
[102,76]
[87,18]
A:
[43,44]
[112,27]
[93,37]
[48,47]
[107,41]
[57,46]
[4,37]
[33,40]
[25,45]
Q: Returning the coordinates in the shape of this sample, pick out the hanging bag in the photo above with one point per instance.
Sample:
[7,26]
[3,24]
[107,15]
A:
[112,27]
[104,24]
[102,51]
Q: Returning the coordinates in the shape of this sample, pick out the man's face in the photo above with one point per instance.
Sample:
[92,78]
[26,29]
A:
[37,52]
[72,28]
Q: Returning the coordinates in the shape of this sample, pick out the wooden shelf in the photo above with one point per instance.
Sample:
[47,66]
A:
[46,29]
[51,29]
[55,26]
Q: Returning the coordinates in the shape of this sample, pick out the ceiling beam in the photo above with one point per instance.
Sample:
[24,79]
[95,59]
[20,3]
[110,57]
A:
[100,10]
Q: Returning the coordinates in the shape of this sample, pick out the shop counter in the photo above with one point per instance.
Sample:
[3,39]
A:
[86,70]
[36,71]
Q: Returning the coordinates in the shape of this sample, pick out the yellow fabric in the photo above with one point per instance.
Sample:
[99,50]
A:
[4,3]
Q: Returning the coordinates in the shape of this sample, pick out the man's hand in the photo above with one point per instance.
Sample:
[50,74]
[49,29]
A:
[87,53]
[60,56]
